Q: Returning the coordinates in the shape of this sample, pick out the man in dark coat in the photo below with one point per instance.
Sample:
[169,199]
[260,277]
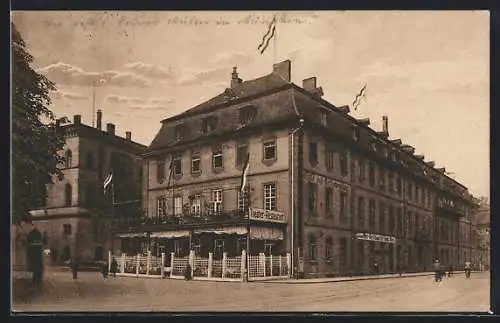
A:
[114,267]
[73,265]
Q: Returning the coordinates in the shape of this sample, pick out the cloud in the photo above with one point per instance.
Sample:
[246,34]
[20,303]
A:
[67,74]
[150,71]
[124,99]
[68,95]
[149,107]
[160,101]
[231,58]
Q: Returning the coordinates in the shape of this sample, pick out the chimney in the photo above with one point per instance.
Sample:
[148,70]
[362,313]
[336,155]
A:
[385,125]
[344,109]
[235,80]
[110,128]
[77,119]
[99,119]
[283,69]
[310,86]
[128,135]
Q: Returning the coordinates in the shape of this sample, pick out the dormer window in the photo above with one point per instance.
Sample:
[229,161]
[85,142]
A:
[179,132]
[324,117]
[373,146]
[355,133]
[208,125]
[247,114]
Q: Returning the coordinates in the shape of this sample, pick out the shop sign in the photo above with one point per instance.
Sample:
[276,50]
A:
[375,237]
[321,180]
[266,215]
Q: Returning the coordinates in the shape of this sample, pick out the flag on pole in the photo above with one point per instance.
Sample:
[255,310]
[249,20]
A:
[244,175]
[170,171]
[271,29]
[360,96]
[108,181]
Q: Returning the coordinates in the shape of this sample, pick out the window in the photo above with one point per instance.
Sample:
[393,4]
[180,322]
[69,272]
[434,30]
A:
[313,192]
[417,194]
[196,246]
[217,201]
[392,182]
[178,206]
[160,171]
[328,200]
[361,212]
[343,206]
[361,167]
[243,201]
[177,247]
[313,153]
[382,180]
[399,185]
[69,158]
[373,146]
[195,163]
[89,160]
[217,159]
[67,229]
[343,162]
[324,117]
[161,206]
[89,195]
[343,251]
[270,197]
[381,216]
[68,194]
[371,213]
[196,204]
[177,166]
[329,157]
[409,186]
[400,221]
[270,150]
[371,173]
[208,125]
[313,255]
[355,133]
[218,248]
[247,114]
[329,249]
[241,154]
[392,220]
[179,136]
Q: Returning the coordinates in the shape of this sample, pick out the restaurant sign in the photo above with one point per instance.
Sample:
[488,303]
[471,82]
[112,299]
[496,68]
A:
[375,237]
[266,215]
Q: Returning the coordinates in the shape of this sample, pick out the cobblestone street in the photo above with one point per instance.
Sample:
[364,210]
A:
[91,293]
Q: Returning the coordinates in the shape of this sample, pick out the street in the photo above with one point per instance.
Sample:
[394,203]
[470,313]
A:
[91,293]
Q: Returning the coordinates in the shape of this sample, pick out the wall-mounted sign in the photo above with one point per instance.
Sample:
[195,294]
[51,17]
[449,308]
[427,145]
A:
[313,178]
[266,215]
[375,237]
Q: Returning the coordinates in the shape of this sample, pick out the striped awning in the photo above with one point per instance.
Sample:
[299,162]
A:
[132,235]
[265,233]
[228,230]
[170,234]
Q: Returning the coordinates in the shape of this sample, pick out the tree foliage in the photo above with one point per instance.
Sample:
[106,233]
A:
[36,136]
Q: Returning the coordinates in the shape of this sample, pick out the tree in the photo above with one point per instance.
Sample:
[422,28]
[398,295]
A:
[36,135]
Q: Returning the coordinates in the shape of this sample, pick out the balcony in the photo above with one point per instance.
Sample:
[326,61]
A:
[190,220]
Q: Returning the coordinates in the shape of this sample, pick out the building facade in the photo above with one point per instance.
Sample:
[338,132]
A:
[481,235]
[342,198]
[76,218]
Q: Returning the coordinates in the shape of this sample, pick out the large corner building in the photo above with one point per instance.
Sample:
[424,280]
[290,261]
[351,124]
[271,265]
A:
[323,186]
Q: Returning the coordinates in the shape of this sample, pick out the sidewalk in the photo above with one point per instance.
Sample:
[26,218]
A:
[344,279]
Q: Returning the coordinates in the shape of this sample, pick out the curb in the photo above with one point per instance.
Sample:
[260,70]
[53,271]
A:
[306,281]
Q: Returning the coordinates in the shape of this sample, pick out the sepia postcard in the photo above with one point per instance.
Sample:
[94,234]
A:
[250,161]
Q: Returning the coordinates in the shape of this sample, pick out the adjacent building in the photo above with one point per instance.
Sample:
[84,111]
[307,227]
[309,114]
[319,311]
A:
[481,235]
[75,220]
[341,197]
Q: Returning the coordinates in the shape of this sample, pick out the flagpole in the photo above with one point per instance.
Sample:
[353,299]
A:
[93,104]
[274,40]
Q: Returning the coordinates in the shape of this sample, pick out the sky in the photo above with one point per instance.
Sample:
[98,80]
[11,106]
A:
[428,71]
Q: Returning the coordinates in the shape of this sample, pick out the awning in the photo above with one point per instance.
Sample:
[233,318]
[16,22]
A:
[132,235]
[264,233]
[170,234]
[228,230]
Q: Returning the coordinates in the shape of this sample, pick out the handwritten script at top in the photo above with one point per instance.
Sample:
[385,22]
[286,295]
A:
[116,20]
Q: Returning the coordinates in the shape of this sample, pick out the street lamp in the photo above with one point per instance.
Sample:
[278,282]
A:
[301,124]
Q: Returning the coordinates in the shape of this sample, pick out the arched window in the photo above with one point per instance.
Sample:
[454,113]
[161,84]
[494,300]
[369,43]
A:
[67,194]
[69,158]
[89,160]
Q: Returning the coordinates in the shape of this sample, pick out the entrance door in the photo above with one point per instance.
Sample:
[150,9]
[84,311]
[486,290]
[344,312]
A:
[98,253]
[268,251]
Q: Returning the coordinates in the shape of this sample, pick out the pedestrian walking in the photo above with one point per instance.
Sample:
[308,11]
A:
[114,267]
[187,272]
[104,269]
[450,271]
[73,265]
[467,269]
[375,268]
[437,271]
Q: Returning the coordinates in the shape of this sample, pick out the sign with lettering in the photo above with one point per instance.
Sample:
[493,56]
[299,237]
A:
[375,237]
[266,215]
[318,179]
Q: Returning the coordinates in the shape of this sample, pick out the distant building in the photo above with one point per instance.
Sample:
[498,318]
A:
[75,220]
[481,235]
[338,195]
